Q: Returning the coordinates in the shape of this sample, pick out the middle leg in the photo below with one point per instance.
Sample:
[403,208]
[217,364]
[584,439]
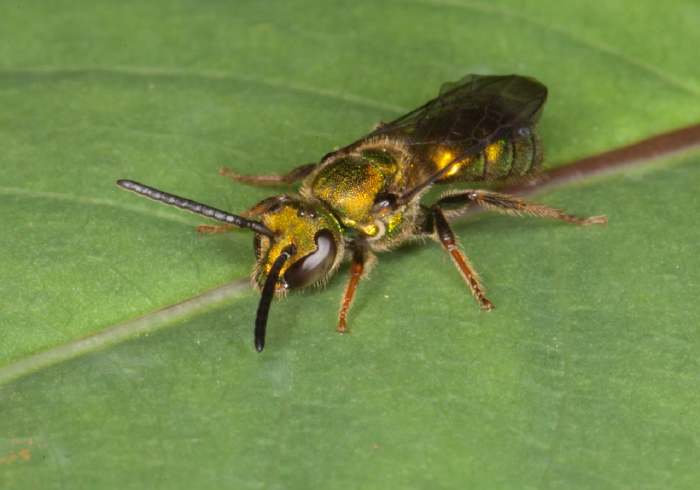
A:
[357,269]
[440,228]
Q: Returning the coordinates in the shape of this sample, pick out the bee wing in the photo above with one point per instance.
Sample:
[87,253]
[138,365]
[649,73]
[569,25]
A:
[469,114]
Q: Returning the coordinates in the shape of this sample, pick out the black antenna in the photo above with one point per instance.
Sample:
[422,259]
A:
[194,207]
[267,294]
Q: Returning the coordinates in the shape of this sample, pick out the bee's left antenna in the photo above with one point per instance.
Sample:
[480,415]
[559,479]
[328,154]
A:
[194,207]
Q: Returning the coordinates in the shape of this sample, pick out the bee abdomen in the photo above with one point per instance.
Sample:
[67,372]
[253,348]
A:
[515,156]
[527,153]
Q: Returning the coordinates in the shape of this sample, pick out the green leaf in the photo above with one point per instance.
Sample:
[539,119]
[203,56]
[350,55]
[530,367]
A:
[584,376]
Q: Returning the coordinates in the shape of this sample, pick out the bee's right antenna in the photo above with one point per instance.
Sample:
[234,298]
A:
[268,291]
[194,207]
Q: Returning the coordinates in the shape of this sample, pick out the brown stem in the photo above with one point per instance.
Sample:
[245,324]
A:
[640,152]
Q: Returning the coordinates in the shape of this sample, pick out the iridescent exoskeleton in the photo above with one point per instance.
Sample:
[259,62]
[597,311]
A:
[366,197]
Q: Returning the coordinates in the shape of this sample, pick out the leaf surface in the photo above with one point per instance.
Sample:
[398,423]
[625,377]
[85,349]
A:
[584,376]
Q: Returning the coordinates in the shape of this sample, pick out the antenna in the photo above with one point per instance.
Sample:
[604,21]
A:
[194,207]
[268,292]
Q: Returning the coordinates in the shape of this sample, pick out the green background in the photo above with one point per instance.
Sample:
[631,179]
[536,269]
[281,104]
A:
[584,376]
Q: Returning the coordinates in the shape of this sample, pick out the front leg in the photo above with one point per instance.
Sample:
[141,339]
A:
[357,268]
[202,229]
[295,175]
[437,225]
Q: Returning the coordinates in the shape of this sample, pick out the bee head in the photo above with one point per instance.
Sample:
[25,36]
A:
[306,247]
[309,233]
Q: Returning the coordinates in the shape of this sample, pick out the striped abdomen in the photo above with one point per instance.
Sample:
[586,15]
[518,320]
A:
[516,156]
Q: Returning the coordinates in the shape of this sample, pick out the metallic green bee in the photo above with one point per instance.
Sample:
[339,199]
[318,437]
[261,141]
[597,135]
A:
[365,198]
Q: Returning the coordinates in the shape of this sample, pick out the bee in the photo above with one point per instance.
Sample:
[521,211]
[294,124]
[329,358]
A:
[366,197]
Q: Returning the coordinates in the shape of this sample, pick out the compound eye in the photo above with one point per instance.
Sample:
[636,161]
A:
[315,265]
